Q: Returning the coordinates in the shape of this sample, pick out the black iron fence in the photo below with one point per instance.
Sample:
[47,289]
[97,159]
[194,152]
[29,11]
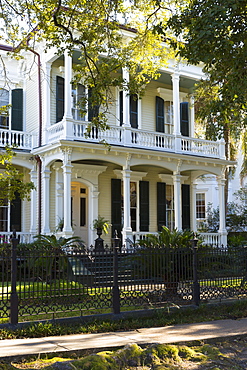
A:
[47,283]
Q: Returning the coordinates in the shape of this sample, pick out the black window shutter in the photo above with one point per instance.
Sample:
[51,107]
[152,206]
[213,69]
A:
[144,205]
[17,110]
[134,110]
[93,110]
[59,98]
[160,117]
[116,207]
[184,118]
[161,205]
[185,207]
[121,107]
[15,214]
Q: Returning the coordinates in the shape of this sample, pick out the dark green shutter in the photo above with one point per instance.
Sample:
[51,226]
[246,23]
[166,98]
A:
[121,107]
[184,118]
[93,110]
[59,98]
[161,205]
[144,205]
[116,207]
[17,110]
[160,118]
[134,110]
[185,207]
[15,214]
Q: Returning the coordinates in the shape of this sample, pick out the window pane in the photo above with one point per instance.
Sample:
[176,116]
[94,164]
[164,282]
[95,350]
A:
[3,218]
[83,212]
[170,207]
[4,100]
[78,96]
[200,205]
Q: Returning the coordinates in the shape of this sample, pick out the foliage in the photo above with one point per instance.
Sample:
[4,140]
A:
[61,243]
[98,29]
[214,33]
[53,257]
[11,179]
[168,238]
[236,214]
[101,223]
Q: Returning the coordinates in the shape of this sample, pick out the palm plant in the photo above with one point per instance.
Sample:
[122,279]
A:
[168,238]
[166,257]
[53,254]
[51,241]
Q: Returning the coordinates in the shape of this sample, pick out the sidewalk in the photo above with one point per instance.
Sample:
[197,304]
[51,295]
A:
[168,334]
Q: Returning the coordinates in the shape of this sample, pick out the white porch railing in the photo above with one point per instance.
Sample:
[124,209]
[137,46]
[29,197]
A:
[214,239]
[23,140]
[24,237]
[129,137]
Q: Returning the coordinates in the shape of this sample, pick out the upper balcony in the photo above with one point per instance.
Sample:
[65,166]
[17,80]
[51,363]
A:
[22,140]
[135,138]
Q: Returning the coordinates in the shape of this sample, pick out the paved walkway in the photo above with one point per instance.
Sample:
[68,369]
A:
[167,334]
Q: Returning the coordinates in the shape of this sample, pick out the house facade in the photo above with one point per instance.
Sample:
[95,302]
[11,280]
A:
[139,174]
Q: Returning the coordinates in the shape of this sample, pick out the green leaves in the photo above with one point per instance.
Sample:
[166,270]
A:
[11,179]
[215,33]
[108,36]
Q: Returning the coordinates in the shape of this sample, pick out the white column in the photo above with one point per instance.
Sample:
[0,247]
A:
[127,230]
[126,100]
[176,104]
[177,200]
[67,168]
[222,227]
[67,85]
[93,212]
[193,211]
[47,101]
[34,178]
[59,194]
[46,200]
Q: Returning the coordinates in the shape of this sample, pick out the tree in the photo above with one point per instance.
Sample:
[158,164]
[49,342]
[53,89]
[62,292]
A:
[11,179]
[236,215]
[98,29]
[215,33]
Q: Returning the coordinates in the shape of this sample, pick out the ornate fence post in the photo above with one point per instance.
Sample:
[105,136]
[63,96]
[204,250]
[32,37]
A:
[196,285]
[115,288]
[13,296]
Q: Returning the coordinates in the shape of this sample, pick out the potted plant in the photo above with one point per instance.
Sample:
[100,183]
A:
[101,224]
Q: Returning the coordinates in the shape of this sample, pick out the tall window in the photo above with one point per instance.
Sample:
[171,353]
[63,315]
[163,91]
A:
[79,93]
[133,109]
[168,117]
[4,113]
[200,210]
[133,205]
[78,96]
[11,215]
[4,217]
[164,115]
[170,217]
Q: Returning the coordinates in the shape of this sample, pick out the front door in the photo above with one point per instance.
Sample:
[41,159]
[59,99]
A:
[79,210]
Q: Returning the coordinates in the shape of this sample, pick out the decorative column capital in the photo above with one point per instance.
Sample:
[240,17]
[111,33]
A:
[67,151]
[221,180]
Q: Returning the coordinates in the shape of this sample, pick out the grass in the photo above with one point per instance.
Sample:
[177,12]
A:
[160,317]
